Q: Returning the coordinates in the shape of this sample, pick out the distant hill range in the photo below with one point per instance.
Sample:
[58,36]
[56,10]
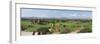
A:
[56,18]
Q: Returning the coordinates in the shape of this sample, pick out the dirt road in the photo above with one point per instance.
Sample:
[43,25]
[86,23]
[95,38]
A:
[23,33]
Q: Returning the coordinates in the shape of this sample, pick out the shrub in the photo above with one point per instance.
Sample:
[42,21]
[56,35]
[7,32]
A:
[86,30]
[43,29]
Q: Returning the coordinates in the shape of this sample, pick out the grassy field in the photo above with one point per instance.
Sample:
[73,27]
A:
[56,25]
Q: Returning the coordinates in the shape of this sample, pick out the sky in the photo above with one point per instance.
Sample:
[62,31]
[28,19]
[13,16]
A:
[55,13]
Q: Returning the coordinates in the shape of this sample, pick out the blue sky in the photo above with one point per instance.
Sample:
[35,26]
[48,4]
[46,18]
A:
[56,13]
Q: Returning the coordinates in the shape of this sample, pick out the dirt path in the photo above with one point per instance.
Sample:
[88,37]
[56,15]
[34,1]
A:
[23,33]
[77,30]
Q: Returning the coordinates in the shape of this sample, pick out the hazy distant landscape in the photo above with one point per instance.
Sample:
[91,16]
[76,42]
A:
[44,21]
